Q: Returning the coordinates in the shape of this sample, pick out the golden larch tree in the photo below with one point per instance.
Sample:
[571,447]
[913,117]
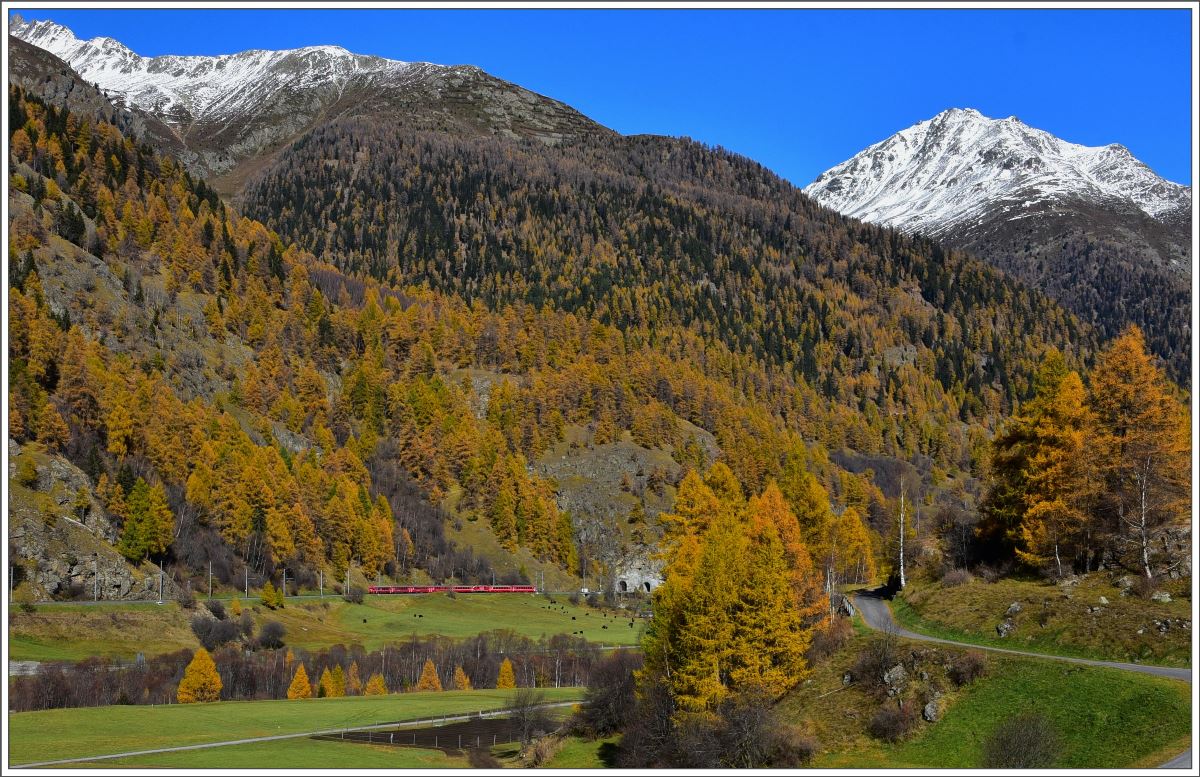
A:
[429,680]
[301,687]
[376,686]
[201,682]
[506,678]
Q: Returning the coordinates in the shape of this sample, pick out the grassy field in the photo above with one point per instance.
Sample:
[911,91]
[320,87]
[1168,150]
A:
[1054,619]
[1107,718]
[298,753]
[72,632]
[35,736]
[578,753]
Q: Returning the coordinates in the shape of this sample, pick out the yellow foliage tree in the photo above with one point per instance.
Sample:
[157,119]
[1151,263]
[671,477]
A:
[461,681]
[506,678]
[201,682]
[268,597]
[376,686]
[429,678]
[235,607]
[1143,443]
[731,613]
[337,684]
[354,686]
[300,688]
[853,558]
[325,684]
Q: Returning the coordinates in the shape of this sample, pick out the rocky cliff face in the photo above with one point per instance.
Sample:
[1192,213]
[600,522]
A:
[60,537]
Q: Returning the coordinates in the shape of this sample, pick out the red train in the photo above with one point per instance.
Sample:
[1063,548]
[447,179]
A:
[458,589]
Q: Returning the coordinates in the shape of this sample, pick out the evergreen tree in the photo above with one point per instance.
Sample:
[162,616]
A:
[149,525]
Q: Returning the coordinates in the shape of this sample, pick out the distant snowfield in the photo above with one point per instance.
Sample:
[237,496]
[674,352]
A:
[960,165]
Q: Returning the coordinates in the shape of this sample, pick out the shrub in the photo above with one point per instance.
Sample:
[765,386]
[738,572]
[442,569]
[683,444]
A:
[355,595]
[1144,587]
[880,655]
[23,596]
[270,636]
[792,748]
[829,640]
[186,599]
[991,574]
[892,723]
[1025,741]
[611,694]
[27,474]
[956,577]
[216,608]
[544,749]
[213,633]
[968,667]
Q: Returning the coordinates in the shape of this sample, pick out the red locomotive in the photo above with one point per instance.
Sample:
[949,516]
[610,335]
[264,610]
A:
[458,589]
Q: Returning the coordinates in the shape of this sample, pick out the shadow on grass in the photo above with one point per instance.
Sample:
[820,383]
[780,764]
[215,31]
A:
[608,754]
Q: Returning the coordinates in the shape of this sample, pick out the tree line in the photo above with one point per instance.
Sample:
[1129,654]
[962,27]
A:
[496,659]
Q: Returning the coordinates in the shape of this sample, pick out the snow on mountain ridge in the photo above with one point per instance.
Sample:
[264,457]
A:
[186,88]
[954,168]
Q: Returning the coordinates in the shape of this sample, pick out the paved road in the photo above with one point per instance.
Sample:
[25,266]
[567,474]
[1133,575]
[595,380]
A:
[878,615]
[426,721]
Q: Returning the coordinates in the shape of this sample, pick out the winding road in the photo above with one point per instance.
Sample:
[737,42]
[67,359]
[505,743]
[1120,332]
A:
[876,614]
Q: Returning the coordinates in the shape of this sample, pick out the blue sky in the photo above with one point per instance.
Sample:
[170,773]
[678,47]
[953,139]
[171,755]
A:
[798,90]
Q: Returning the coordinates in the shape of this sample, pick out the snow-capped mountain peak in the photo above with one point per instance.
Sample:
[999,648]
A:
[948,172]
[191,88]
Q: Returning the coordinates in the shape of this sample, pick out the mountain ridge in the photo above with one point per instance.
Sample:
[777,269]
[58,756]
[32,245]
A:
[927,177]
[1092,227]
[230,112]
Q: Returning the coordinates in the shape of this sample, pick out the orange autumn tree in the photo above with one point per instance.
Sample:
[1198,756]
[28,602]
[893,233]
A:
[739,600]
[461,681]
[506,678]
[429,680]
[376,686]
[201,682]
[301,687]
[1143,442]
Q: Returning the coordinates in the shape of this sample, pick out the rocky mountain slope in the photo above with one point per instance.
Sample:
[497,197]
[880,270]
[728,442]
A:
[227,111]
[1093,227]
[944,176]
